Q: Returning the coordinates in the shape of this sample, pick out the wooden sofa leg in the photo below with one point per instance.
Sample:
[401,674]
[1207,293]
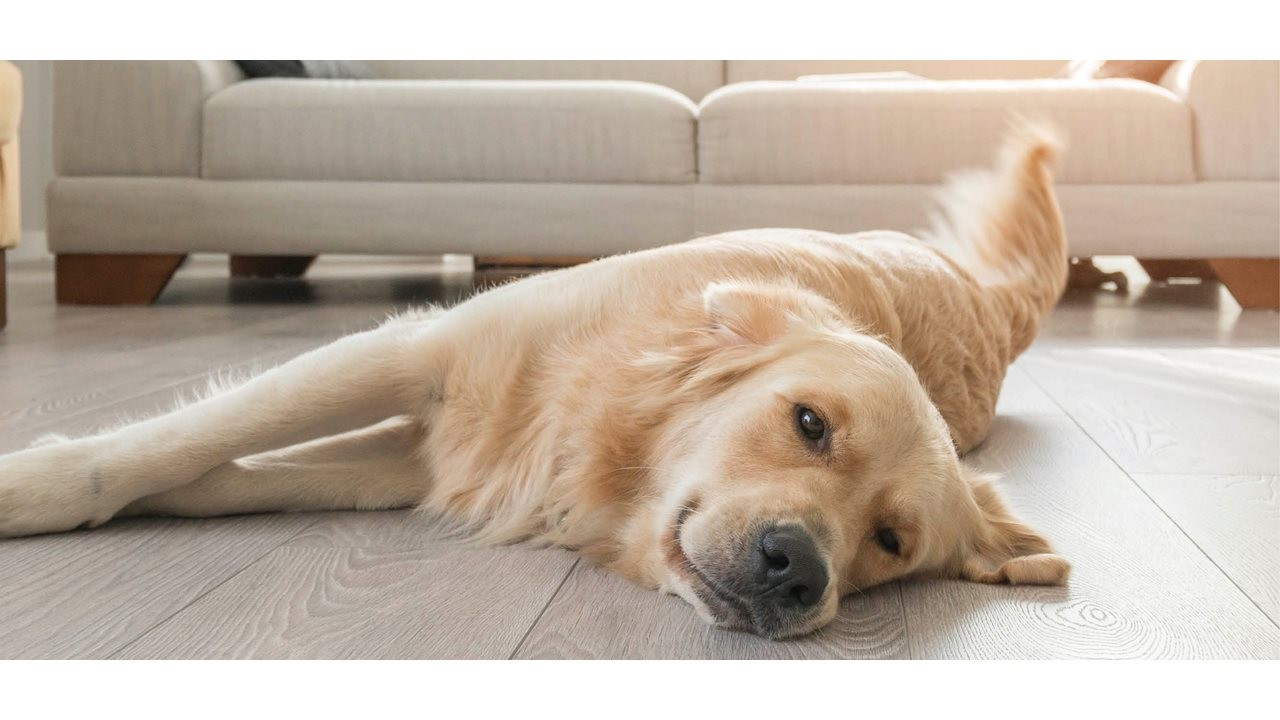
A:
[113,279]
[270,266]
[1083,274]
[1160,270]
[484,262]
[1253,282]
[4,291]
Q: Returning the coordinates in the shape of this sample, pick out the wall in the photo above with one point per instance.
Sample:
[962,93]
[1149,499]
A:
[37,154]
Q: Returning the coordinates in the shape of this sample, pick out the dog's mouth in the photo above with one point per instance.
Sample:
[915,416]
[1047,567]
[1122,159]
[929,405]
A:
[726,610]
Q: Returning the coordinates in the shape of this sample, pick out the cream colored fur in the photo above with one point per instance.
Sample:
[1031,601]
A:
[592,406]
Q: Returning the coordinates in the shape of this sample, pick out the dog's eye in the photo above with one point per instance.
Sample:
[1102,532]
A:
[810,424]
[888,540]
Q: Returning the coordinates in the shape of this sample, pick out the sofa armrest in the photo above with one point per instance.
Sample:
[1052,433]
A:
[10,115]
[133,117]
[1236,108]
[10,100]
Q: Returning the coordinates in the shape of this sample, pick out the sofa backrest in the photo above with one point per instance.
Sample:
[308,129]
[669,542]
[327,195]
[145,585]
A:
[694,78]
[697,78]
[749,70]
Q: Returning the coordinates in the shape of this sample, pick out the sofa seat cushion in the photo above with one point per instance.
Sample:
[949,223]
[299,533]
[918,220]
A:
[1117,131]
[450,131]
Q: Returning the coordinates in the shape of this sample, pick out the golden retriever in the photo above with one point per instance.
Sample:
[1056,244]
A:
[758,421]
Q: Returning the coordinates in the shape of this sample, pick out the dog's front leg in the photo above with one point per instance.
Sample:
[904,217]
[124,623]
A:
[352,383]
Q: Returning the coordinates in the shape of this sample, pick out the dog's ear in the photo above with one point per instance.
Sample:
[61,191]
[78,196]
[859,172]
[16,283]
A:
[742,313]
[1002,549]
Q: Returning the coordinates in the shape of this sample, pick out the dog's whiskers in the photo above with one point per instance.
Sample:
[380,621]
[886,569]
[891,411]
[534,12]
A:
[845,585]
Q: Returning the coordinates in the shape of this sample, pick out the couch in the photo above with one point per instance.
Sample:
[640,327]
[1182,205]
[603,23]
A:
[552,161]
[10,227]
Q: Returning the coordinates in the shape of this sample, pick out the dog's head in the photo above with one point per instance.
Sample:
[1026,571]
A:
[806,462]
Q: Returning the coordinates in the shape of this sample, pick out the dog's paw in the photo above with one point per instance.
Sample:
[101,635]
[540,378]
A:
[54,487]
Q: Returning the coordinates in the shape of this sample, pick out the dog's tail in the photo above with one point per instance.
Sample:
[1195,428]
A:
[1004,226]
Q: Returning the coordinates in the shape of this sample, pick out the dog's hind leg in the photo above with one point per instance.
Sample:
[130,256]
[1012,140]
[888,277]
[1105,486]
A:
[375,468]
[352,383]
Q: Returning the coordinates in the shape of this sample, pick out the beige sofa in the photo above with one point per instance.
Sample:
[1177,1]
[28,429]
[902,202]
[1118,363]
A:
[572,159]
[10,226]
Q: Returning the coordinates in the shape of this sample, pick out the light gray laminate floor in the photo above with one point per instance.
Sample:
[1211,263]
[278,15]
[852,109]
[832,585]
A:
[1141,433]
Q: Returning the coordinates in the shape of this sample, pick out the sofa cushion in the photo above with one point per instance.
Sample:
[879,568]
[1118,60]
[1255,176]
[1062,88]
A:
[446,131]
[1117,131]
[693,78]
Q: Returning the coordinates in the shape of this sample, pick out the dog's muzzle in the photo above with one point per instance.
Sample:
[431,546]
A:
[775,586]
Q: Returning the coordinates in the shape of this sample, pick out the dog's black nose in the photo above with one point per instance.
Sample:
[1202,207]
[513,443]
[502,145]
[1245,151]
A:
[790,573]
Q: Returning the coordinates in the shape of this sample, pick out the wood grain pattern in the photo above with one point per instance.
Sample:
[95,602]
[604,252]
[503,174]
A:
[396,529]
[1021,396]
[1235,519]
[1201,411]
[350,603]
[87,594]
[1139,588]
[598,615]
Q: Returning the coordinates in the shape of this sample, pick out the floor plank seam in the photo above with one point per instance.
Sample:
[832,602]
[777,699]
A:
[543,611]
[906,629]
[1157,504]
[118,651]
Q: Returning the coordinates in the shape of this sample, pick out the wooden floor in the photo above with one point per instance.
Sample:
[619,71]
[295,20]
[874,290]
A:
[1141,433]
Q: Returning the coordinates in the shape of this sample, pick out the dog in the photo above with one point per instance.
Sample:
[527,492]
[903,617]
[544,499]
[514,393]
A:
[759,422]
